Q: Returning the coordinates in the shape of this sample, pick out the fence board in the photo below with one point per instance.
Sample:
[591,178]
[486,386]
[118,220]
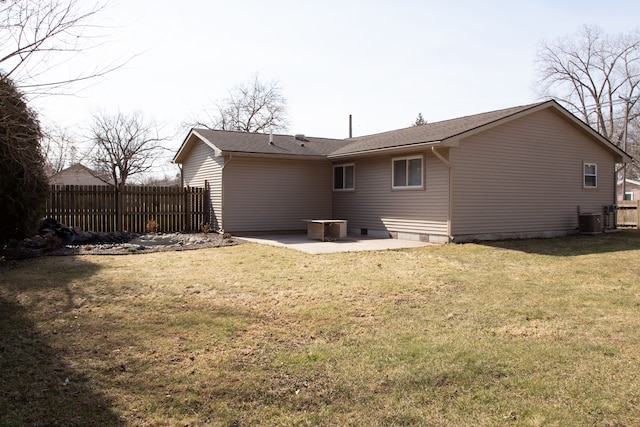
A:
[136,209]
[628,214]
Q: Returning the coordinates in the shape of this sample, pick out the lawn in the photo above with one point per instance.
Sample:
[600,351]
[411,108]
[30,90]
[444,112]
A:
[515,333]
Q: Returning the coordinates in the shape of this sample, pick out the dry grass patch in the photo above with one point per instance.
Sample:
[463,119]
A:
[541,332]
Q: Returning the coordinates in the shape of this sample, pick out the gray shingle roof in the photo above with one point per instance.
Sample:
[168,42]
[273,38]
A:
[258,143]
[243,142]
[430,132]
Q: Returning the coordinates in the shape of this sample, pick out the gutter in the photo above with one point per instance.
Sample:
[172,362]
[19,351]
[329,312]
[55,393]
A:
[271,155]
[450,198]
[397,148]
[441,157]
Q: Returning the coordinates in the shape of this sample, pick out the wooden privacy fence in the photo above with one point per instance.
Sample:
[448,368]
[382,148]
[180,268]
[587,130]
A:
[137,209]
[628,214]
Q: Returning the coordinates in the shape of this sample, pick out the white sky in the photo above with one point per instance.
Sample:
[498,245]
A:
[381,61]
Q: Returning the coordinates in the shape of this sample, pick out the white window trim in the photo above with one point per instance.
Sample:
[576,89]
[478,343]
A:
[584,176]
[393,173]
[343,166]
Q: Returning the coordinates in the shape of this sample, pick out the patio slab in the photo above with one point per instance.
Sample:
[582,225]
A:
[301,242]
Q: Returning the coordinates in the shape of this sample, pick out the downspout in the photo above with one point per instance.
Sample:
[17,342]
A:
[615,192]
[223,204]
[450,198]
[615,180]
[181,175]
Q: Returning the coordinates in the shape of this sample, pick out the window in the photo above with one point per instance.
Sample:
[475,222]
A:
[344,177]
[407,172]
[628,195]
[590,175]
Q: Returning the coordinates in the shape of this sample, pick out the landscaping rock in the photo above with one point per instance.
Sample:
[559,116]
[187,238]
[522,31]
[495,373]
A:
[58,239]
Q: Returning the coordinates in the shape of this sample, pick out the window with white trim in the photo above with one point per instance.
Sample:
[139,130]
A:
[407,172]
[590,175]
[344,177]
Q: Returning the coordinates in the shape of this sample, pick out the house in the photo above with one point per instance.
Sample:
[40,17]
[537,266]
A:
[631,190]
[526,171]
[78,174]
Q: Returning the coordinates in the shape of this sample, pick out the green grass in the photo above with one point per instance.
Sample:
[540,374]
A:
[518,333]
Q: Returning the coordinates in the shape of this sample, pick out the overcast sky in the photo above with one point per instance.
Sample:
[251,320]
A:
[381,61]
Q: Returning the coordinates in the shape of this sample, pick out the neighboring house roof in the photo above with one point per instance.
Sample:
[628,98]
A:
[225,142]
[78,174]
[444,133]
[630,181]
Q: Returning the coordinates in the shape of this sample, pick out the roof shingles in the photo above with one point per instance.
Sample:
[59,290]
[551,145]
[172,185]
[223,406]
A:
[430,132]
[243,142]
[287,145]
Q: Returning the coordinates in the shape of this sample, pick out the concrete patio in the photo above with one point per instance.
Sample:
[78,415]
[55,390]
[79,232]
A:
[301,242]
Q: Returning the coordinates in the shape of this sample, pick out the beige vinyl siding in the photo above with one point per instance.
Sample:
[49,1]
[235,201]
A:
[375,206]
[269,194]
[203,167]
[526,177]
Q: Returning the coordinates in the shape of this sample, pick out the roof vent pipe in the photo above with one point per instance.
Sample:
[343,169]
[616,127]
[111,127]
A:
[350,127]
[270,136]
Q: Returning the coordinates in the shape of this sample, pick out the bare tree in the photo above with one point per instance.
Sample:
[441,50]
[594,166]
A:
[166,180]
[595,75]
[38,36]
[633,149]
[58,149]
[124,145]
[253,107]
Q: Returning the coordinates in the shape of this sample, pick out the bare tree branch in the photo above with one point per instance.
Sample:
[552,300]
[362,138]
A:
[598,77]
[253,107]
[595,75]
[58,149]
[124,145]
[38,36]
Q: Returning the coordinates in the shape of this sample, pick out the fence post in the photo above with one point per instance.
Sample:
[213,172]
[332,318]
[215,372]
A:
[118,203]
[206,206]
[187,209]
